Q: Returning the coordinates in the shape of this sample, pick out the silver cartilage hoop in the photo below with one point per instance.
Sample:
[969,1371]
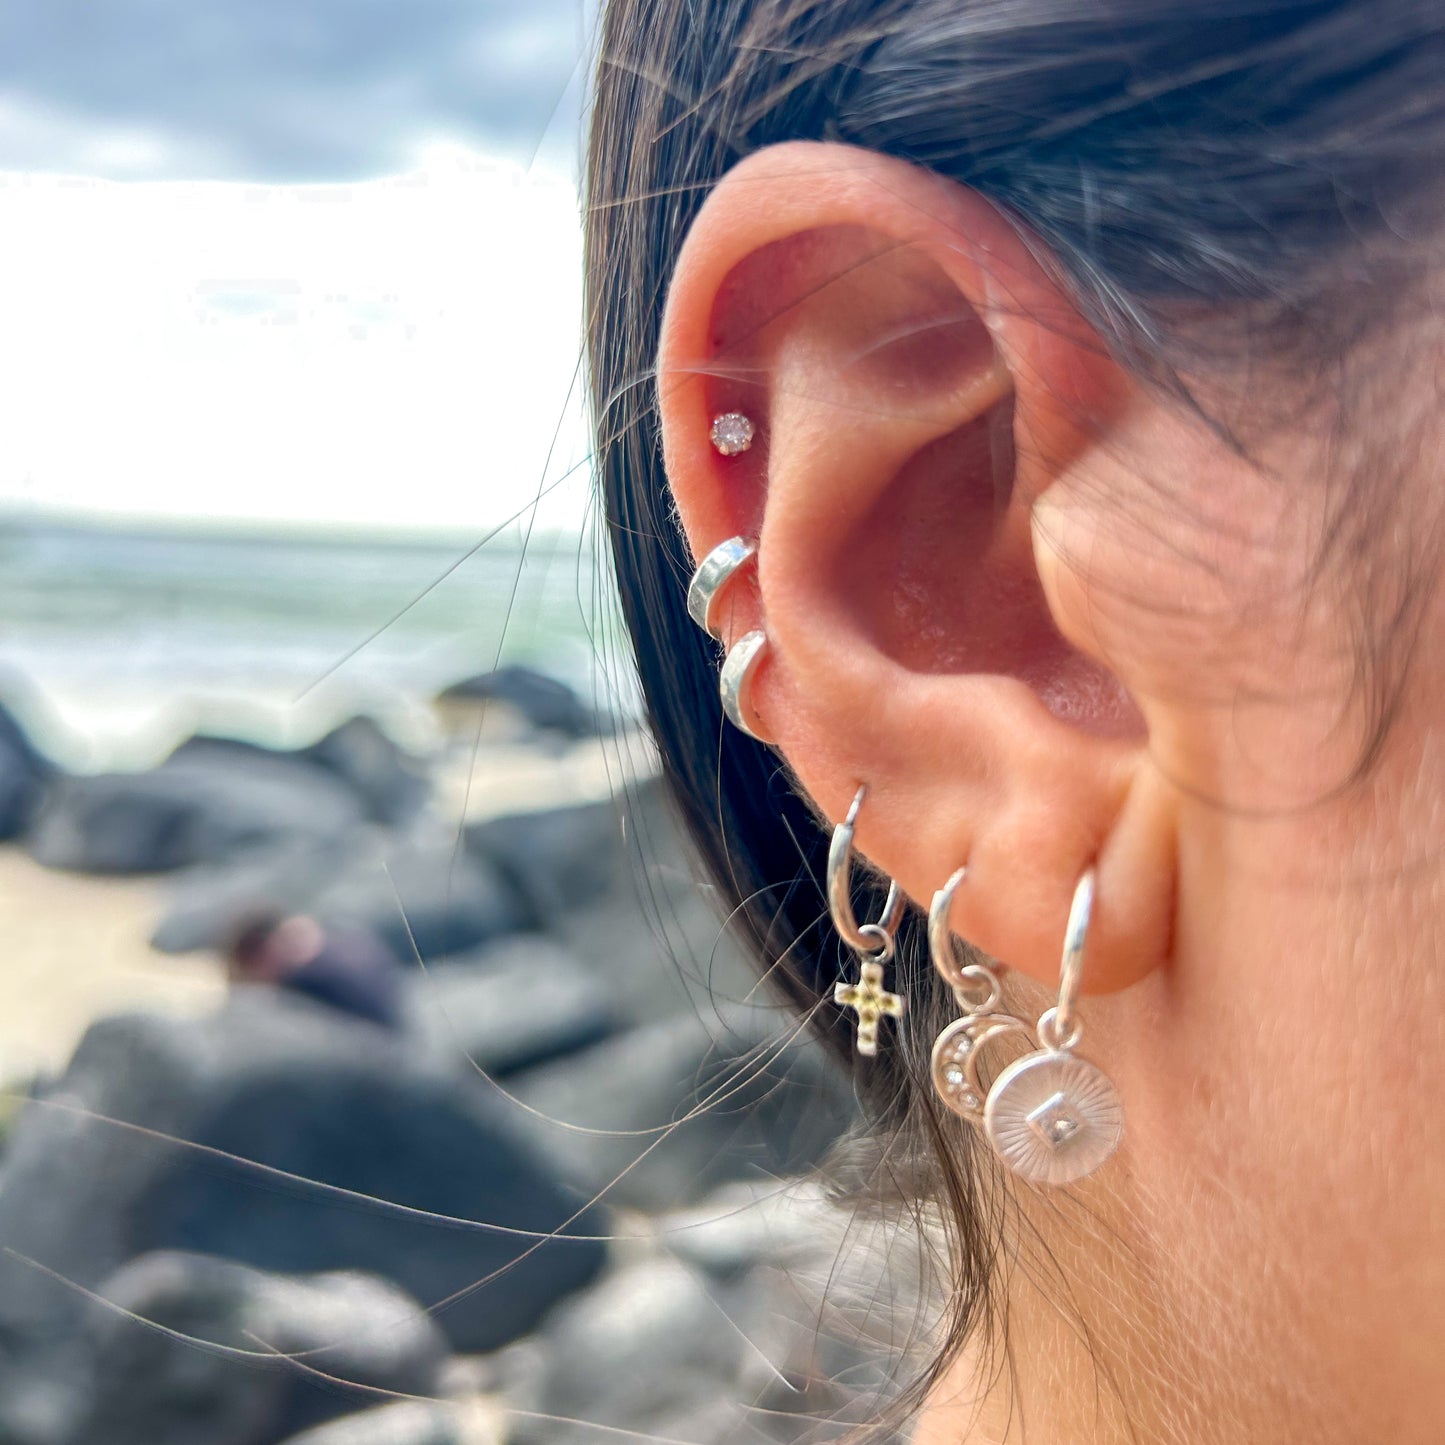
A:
[734,682]
[714,572]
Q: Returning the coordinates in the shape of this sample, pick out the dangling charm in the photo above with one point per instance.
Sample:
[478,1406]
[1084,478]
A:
[957,1049]
[1052,1117]
[868,998]
[873,942]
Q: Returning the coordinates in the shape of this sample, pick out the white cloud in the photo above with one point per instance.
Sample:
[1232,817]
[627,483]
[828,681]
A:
[389,352]
[42,137]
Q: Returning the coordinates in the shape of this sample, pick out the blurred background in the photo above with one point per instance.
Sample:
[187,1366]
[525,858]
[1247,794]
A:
[373,1071]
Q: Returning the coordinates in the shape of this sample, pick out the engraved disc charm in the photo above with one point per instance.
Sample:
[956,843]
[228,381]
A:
[956,1056]
[1053,1118]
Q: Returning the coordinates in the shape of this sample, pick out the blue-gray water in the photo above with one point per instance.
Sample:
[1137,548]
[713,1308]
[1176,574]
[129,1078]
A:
[114,640]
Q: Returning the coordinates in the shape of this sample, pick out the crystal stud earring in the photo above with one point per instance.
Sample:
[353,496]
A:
[732,433]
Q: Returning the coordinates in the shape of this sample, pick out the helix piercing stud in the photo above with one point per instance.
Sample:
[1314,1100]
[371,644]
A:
[732,433]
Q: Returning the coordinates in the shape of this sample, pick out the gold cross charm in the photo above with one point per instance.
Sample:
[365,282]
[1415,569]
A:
[870,1000]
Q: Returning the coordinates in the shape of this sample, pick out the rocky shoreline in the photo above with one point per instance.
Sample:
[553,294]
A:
[569,1198]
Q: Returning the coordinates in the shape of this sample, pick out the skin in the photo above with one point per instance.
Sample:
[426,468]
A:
[1053,619]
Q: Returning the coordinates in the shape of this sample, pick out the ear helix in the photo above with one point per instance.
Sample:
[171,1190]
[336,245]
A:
[731,434]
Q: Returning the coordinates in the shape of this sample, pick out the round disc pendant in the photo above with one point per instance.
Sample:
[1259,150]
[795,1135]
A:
[956,1057]
[1053,1118]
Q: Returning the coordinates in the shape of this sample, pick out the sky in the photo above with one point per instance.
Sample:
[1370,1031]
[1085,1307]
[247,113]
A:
[291,260]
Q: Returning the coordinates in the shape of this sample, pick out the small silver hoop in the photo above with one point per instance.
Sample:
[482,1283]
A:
[1071,971]
[958,976]
[714,572]
[736,677]
[840,902]
[1052,1117]
[1052,1035]
[882,943]
[978,973]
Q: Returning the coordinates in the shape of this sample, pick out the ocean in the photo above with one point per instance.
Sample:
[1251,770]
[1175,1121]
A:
[118,641]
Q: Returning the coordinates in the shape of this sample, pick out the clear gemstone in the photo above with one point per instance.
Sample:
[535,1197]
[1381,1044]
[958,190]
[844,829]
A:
[732,433]
[953,1077]
[970,1101]
[1054,1121]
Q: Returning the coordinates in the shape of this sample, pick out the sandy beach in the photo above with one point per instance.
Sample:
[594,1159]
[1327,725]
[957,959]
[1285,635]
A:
[75,949]
[76,945]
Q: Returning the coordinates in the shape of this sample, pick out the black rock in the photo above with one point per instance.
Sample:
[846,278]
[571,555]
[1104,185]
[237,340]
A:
[798,1342]
[137,1385]
[389,783]
[612,880]
[509,1006]
[652,1342]
[208,901]
[669,1111]
[25,774]
[416,891]
[558,860]
[745,1225]
[423,895]
[407,1422]
[204,803]
[545,703]
[392,783]
[296,1087]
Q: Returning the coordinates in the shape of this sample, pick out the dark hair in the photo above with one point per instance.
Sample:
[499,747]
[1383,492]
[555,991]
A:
[1205,175]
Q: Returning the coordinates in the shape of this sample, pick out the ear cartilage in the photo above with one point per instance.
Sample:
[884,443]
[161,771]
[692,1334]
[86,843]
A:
[714,572]
[732,433]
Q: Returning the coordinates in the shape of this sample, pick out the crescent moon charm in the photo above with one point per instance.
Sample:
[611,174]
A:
[1053,1118]
[956,1056]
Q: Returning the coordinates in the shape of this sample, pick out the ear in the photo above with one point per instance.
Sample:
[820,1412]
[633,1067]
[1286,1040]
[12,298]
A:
[918,384]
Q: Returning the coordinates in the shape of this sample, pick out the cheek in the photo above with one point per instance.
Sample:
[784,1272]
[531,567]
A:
[1286,1175]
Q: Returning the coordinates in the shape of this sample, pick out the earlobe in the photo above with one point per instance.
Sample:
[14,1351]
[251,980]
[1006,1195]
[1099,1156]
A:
[913,380]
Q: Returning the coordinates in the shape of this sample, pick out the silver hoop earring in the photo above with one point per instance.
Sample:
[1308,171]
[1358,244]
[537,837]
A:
[957,1050]
[872,942]
[713,574]
[735,681]
[1051,1116]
